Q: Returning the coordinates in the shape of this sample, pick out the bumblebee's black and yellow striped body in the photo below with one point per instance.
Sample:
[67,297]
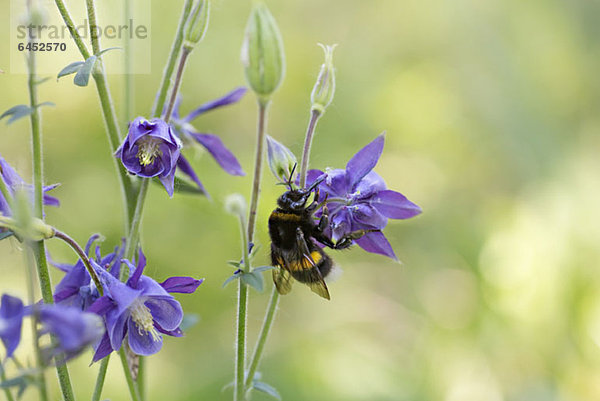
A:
[295,254]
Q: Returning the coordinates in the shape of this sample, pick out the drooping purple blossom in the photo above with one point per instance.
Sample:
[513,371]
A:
[358,199]
[11,320]
[151,149]
[141,310]
[212,143]
[14,182]
[77,288]
[73,329]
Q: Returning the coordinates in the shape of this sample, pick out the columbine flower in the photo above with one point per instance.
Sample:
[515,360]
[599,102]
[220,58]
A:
[73,329]
[151,149]
[358,199]
[14,182]
[212,143]
[11,320]
[142,309]
[77,288]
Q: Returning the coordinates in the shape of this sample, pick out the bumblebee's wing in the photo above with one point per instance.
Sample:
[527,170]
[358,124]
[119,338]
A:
[283,280]
[309,269]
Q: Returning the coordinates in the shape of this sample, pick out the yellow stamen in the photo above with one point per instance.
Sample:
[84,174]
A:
[149,148]
[143,319]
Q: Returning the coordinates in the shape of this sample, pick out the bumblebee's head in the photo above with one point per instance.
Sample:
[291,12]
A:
[295,199]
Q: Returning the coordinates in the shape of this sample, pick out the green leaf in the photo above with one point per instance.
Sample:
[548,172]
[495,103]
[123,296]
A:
[230,279]
[44,104]
[234,263]
[107,50]
[261,269]
[83,75]
[254,251]
[189,320]
[254,280]
[267,389]
[16,113]
[70,69]
[41,81]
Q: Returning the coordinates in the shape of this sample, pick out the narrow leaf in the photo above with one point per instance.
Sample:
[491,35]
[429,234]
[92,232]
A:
[107,50]
[45,104]
[83,75]
[182,186]
[230,279]
[234,263]
[254,280]
[267,389]
[41,81]
[261,269]
[70,69]
[16,113]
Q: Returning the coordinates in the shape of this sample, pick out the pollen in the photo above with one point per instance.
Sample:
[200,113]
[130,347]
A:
[149,148]
[143,319]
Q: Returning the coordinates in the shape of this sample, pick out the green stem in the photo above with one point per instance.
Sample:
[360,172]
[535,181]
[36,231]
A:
[263,107]
[9,396]
[240,356]
[128,103]
[184,56]
[133,391]
[62,9]
[262,337]
[161,96]
[84,258]
[312,124]
[134,230]
[100,379]
[141,377]
[39,248]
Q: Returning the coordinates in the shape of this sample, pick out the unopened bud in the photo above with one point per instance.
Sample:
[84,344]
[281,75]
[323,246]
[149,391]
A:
[324,89]
[197,24]
[235,204]
[34,230]
[262,52]
[281,160]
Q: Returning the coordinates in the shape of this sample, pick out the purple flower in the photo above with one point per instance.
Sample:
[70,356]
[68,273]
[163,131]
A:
[212,143]
[14,182]
[77,288]
[73,329]
[151,149]
[140,309]
[11,320]
[358,199]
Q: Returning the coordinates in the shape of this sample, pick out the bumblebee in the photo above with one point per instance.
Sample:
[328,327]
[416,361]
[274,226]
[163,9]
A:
[294,232]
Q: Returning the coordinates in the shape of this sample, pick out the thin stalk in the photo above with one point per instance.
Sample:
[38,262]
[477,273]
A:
[240,356]
[81,253]
[128,62]
[100,379]
[184,55]
[263,108]
[312,124]
[39,248]
[134,231]
[141,377]
[161,96]
[274,300]
[7,393]
[133,391]
[62,9]
[262,337]
[42,388]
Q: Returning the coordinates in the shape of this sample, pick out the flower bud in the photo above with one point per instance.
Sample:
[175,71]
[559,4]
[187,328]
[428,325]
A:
[197,24]
[235,204]
[281,160]
[324,89]
[262,52]
[22,223]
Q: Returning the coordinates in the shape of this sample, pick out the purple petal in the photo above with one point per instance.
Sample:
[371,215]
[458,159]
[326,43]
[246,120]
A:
[340,223]
[369,185]
[103,348]
[183,285]
[88,245]
[11,316]
[101,306]
[141,264]
[335,184]
[367,217]
[377,243]
[116,327]
[187,169]
[169,182]
[150,288]
[142,343]
[394,205]
[364,161]
[219,152]
[232,97]
[173,333]
[166,312]
[62,296]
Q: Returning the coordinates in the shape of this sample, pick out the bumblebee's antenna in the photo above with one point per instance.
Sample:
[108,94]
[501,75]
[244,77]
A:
[289,183]
[315,184]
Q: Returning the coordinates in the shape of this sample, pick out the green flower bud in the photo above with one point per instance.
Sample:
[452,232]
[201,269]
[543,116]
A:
[197,24]
[324,89]
[235,204]
[262,52]
[22,223]
[281,160]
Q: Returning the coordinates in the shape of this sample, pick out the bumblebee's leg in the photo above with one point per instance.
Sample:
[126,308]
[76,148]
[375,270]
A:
[347,239]
[314,205]
[320,227]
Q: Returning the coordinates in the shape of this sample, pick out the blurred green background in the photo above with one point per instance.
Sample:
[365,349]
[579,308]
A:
[491,112]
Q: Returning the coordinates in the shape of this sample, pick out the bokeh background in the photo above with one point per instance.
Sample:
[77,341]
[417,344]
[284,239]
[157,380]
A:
[491,112]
